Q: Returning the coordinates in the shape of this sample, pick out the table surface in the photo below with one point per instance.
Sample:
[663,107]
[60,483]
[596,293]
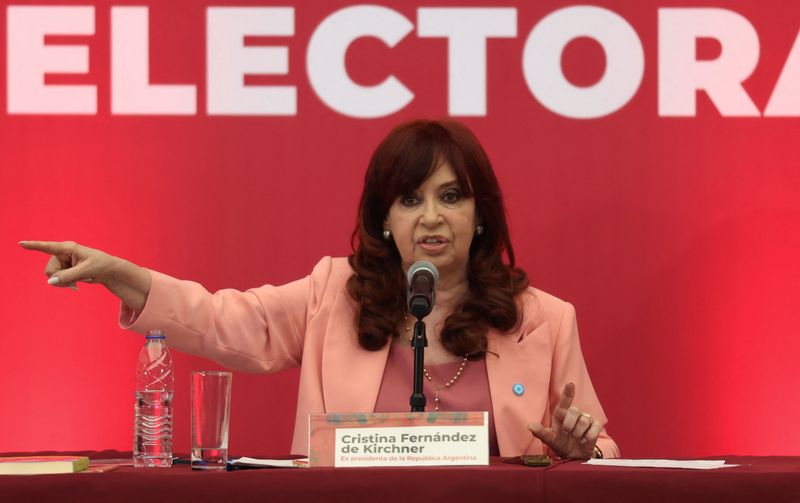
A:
[771,478]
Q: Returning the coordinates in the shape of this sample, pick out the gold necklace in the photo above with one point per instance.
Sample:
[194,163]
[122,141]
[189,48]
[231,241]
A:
[448,384]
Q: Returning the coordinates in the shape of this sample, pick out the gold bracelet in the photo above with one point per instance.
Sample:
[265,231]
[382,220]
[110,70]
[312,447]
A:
[598,454]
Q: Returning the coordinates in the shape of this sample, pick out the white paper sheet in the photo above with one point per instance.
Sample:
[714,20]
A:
[662,463]
[271,463]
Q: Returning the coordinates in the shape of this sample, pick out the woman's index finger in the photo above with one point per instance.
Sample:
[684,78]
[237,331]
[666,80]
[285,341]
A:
[50,247]
[567,396]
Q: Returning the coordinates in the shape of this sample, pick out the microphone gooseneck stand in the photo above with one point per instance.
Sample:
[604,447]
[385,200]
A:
[422,278]
[419,342]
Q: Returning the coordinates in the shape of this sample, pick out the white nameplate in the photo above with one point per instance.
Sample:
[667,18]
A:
[399,439]
[412,446]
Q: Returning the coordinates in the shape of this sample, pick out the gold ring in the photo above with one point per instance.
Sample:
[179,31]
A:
[587,416]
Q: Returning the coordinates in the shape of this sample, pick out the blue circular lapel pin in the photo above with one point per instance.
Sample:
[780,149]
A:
[518,389]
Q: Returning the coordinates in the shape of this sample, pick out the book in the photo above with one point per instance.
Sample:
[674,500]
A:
[37,465]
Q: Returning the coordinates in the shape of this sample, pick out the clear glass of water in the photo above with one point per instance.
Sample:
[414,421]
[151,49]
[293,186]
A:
[211,407]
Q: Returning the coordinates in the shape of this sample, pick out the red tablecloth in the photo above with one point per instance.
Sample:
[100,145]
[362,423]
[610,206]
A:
[768,479]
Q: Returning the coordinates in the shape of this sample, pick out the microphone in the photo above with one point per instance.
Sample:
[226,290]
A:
[422,281]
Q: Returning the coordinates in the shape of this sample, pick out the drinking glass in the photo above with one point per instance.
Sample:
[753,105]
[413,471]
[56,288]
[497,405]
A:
[211,406]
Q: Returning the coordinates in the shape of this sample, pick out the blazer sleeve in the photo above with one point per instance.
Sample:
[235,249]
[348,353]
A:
[568,365]
[258,330]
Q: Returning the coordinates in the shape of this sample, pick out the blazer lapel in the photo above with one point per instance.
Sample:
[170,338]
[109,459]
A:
[516,363]
[351,375]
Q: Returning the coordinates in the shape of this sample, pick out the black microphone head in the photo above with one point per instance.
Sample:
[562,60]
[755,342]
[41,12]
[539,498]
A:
[423,278]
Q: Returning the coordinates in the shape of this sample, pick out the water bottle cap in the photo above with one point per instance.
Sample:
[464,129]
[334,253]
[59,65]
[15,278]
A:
[155,334]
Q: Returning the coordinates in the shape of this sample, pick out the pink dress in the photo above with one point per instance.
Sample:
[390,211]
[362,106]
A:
[469,393]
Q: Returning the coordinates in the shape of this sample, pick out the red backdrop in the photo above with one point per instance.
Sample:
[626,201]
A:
[676,237]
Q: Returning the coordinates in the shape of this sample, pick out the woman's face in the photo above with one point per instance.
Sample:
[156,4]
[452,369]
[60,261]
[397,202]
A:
[435,223]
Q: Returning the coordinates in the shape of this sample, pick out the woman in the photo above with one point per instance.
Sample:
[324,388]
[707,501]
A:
[494,342]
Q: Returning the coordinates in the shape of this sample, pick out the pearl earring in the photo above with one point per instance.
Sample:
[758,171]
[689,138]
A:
[387,234]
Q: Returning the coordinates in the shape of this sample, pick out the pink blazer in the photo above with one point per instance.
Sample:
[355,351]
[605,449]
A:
[310,323]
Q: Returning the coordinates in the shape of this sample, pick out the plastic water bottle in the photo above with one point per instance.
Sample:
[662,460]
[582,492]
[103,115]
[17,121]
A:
[155,385]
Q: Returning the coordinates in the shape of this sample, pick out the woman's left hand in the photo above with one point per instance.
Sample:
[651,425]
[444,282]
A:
[573,434]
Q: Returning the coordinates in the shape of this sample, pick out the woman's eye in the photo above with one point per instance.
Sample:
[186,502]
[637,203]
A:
[408,200]
[451,197]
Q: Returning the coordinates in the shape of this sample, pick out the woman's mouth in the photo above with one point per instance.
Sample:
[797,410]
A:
[432,244]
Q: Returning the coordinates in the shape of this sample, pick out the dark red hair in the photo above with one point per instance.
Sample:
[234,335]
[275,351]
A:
[400,164]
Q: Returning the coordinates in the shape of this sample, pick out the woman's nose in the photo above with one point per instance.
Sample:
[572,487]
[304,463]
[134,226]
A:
[431,214]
